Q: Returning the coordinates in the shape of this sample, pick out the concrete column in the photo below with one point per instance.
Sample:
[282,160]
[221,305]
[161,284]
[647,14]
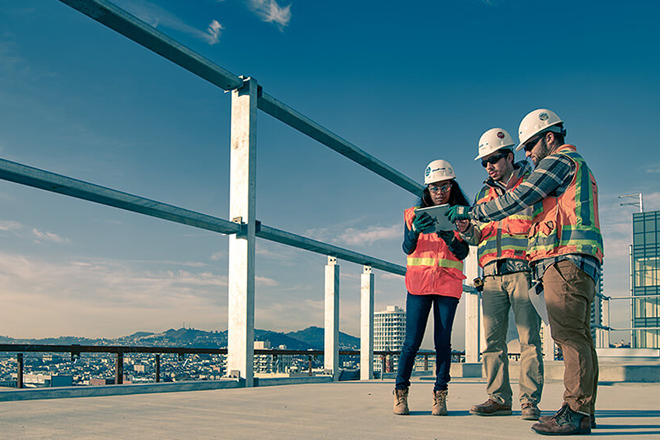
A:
[242,205]
[367,324]
[548,343]
[472,308]
[331,332]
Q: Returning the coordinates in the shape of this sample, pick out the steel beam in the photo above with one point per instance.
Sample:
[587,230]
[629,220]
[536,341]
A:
[319,247]
[59,184]
[242,207]
[300,122]
[48,181]
[137,30]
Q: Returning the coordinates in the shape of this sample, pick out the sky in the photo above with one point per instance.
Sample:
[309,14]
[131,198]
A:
[406,82]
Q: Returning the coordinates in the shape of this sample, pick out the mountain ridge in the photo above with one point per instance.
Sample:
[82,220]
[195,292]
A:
[311,338]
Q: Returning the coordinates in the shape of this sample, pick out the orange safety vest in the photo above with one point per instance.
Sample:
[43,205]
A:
[568,224]
[432,269]
[506,238]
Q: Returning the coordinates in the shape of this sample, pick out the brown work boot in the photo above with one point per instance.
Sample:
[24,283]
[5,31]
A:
[401,402]
[592,419]
[491,408]
[439,403]
[529,411]
[565,422]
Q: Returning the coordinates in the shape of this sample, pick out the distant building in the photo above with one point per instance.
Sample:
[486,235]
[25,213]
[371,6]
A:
[645,268]
[599,331]
[389,334]
[263,363]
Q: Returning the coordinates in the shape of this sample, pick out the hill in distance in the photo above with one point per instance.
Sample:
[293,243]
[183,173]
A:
[309,338]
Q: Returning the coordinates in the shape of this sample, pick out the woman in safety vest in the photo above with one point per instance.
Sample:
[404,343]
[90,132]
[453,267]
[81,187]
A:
[434,280]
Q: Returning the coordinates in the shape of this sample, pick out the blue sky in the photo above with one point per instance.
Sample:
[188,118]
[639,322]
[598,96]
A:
[408,83]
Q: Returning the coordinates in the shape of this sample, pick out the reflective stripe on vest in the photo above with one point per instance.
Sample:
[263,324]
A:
[568,224]
[506,238]
[412,261]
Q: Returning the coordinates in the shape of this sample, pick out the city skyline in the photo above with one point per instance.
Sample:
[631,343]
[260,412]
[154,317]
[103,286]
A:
[407,85]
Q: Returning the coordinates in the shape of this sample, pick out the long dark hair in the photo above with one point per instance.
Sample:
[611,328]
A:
[457,196]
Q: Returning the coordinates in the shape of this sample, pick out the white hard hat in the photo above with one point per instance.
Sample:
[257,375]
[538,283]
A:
[539,121]
[438,170]
[493,140]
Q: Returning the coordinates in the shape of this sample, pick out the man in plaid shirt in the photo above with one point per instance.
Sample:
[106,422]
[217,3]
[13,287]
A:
[565,251]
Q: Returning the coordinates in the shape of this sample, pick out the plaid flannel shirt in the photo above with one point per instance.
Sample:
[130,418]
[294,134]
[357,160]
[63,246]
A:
[550,179]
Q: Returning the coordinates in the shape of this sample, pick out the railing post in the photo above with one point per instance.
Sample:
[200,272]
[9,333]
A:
[242,204]
[472,309]
[331,330]
[157,368]
[119,368]
[19,370]
[367,324]
[426,362]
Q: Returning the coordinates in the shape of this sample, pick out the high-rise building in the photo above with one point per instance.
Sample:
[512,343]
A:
[645,280]
[389,329]
[389,334]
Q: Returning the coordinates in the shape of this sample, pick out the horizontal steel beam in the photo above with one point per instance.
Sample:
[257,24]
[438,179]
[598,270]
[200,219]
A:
[327,249]
[132,27]
[56,183]
[300,122]
[48,181]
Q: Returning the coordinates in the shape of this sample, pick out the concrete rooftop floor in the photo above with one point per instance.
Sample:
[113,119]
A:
[342,410]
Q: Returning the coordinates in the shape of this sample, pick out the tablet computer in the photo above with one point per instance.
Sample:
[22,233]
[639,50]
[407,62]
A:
[440,220]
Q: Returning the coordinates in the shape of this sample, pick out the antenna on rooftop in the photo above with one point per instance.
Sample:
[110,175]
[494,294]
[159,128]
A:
[639,203]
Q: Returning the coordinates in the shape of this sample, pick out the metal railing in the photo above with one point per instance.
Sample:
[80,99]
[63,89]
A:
[75,351]
[243,229]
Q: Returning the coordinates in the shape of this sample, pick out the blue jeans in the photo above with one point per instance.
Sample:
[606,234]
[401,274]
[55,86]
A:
[417,313]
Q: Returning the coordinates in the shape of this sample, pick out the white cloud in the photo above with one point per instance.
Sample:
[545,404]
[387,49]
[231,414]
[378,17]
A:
[270,12]
[48,236]
[104,298]
[8,225]
[213,32]
[355,236]
[290,314]
[653,168]
[265,282]
[221,255]
[157,17]
[651,201]
[370,235]
[392,276]
[9,61]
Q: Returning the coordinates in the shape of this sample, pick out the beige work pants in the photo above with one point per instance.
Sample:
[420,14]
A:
[502,293]
[569,293]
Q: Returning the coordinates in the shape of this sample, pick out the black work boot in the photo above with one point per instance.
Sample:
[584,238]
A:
[565,422]
[592,417]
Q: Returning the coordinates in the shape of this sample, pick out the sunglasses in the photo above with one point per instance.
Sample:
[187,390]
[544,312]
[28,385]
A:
[493,159]
[440,189]
[529,146]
